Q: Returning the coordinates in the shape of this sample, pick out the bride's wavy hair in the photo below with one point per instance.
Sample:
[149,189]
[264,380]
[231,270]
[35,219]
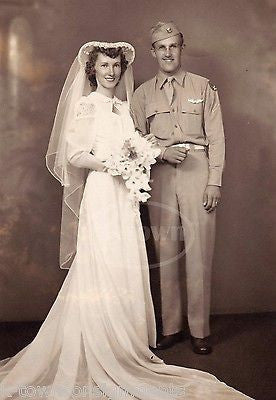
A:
[110,52]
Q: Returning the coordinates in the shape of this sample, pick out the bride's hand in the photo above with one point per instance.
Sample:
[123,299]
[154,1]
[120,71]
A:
[103,167]
[151,138]
[99,165]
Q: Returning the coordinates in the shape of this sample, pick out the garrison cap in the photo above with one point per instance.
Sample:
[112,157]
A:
[163,31]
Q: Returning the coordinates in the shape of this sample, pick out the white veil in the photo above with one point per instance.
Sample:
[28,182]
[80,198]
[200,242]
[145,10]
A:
[72,178]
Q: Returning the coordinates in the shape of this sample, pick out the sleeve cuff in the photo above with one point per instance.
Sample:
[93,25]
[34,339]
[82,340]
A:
[215,178]
[160,158]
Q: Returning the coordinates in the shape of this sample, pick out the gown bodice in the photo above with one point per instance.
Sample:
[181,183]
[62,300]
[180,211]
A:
[110,126]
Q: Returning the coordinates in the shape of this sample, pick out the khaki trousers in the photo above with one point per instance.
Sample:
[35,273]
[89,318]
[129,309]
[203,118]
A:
[183,231]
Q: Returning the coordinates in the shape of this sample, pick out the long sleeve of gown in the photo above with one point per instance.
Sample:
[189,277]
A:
[82,136]
[83,159]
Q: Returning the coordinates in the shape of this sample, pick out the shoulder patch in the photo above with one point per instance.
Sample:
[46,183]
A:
[84,110]
[212,86]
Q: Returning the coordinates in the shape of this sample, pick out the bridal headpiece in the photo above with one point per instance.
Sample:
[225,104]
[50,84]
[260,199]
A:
[127,49]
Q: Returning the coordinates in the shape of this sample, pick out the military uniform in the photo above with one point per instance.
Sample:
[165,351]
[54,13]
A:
[192,117]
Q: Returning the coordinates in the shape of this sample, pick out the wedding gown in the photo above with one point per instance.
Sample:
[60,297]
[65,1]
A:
[95,341]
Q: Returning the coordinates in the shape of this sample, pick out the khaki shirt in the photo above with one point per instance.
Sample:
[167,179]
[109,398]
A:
[194,116]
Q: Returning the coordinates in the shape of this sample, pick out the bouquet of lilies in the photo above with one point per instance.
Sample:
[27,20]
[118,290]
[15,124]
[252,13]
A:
[133,162]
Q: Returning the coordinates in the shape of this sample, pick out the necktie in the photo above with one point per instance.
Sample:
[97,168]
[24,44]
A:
[169,89]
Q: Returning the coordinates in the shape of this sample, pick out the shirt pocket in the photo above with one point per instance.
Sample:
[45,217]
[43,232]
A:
[159,120]
[192,117]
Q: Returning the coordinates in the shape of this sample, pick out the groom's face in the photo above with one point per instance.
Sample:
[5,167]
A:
[168,54]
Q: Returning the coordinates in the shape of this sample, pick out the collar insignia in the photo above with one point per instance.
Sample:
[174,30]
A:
[213,87]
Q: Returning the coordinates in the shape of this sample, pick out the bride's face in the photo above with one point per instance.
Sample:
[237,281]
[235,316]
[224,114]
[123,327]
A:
[108,70]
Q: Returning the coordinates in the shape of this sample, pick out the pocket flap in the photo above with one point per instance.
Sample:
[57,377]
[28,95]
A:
[156,108]
[191,108]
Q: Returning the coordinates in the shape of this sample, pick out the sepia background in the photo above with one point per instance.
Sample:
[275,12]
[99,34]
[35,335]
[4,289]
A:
[230,42]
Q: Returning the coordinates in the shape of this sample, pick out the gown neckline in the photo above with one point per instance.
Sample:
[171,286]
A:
[105,98]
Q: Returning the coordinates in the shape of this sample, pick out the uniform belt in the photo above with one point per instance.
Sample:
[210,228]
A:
[190,146]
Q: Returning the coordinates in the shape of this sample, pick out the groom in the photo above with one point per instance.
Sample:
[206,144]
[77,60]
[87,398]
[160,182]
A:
[182,110]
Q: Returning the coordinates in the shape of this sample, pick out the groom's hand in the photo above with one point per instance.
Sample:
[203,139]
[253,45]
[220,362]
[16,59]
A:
[211,198]
[175,155]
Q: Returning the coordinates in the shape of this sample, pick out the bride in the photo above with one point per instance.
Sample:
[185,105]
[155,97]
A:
[94,343]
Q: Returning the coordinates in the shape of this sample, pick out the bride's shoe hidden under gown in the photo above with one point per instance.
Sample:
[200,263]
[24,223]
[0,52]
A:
[94,343]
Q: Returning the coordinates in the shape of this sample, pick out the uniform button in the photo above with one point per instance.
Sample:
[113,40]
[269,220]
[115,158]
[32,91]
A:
[176,126]
[173,110]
